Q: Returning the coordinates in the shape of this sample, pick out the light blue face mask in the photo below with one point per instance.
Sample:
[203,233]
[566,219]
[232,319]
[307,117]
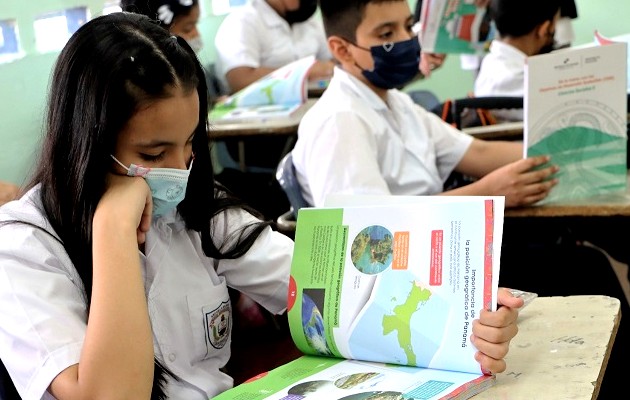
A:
[168,185]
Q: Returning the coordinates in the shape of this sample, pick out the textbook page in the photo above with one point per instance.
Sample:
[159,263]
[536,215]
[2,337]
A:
[395,283]
[277,94]
[455,26]
[575,111]
[324,378]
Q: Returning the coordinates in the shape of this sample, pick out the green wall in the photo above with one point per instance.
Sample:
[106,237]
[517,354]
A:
[24,82]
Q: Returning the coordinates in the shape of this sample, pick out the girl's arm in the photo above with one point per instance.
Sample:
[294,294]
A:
[117,357]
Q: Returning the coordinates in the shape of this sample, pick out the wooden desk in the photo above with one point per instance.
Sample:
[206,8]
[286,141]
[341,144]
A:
[610,205]
[271,127]
[507,130]
[560,351]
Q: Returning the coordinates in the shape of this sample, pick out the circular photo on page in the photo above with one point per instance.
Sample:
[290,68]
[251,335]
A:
[372,250]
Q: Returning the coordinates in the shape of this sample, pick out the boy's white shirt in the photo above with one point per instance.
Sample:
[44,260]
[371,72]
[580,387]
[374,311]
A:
[255,35]
[352,142]
[44,311]
[502,73]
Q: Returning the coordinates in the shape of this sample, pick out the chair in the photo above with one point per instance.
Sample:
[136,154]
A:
[425,98]
[485,102]
[285,175]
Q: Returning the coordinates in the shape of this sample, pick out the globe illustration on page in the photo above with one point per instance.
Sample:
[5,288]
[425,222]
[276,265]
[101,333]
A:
[372,250]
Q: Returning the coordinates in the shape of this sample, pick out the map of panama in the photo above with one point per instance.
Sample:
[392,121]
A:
[412,321]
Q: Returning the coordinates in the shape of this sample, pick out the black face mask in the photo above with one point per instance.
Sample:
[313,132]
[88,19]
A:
[305,11]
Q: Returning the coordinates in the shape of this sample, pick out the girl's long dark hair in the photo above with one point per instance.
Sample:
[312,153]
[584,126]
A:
[109,68]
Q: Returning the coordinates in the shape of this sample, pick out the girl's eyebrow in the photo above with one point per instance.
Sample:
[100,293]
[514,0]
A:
[158,142]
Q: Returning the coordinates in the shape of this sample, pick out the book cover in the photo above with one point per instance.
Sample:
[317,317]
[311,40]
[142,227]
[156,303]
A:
[276,95]
[382,299]
[455,26]
[576,112]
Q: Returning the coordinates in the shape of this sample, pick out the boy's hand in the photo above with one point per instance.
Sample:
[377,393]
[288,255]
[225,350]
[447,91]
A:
[321,69]
[493,331]
[519,183]
[429,62]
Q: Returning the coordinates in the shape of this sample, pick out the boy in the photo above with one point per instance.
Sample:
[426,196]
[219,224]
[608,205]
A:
[364,137]
[525,29]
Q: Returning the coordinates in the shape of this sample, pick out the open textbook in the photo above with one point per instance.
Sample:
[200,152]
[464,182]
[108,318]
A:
[576,111]
[276,95]
[455,26]
[382,299]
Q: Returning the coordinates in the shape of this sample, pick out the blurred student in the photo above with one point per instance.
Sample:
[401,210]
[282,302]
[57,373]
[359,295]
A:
[525,29]
[179,17]
[8,192]
[364,136]
[264,35]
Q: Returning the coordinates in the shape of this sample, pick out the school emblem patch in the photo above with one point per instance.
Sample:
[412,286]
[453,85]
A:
[218,325]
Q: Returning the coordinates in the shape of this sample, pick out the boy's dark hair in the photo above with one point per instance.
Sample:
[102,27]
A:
[516,18]
[342,17]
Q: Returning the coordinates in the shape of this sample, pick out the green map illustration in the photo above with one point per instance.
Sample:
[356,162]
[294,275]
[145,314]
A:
[411,318]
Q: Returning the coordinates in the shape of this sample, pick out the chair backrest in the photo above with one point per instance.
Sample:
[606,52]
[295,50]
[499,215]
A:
[425,98]
[285,175]
[483,102]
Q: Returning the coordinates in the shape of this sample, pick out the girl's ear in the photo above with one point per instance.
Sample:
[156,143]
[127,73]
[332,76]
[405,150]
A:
[339,49]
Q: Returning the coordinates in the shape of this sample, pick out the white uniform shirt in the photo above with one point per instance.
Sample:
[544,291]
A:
[352,142]
[43,307]
[502,73]
[255,35]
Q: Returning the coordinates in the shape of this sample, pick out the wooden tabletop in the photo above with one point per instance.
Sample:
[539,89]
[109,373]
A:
[560,351]
[606,205]
[506,130]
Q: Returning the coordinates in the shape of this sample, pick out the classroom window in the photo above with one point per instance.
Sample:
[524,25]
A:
[220,7]
[111,7]
[52,30]
[9,42]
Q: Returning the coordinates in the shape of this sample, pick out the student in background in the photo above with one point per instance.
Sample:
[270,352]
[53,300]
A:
[180,17]
[525,29]
[264,35]
[8,192]
[365,137]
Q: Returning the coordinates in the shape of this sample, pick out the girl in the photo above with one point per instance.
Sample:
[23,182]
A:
[114,266]
[85,313]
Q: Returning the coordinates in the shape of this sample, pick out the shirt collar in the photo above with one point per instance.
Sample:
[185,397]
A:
[268,15]
[506,50]
[360,89]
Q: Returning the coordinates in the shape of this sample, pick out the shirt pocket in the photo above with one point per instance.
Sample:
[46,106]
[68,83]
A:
[210,313]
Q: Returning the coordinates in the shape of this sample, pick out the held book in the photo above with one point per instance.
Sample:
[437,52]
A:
[382,298]
[455,26]
[575,108]
[276,95]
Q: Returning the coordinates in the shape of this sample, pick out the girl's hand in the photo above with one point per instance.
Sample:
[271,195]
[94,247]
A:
[128,200]
[493,331]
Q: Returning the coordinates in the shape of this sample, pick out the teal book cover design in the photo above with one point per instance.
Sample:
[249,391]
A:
[575,111]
